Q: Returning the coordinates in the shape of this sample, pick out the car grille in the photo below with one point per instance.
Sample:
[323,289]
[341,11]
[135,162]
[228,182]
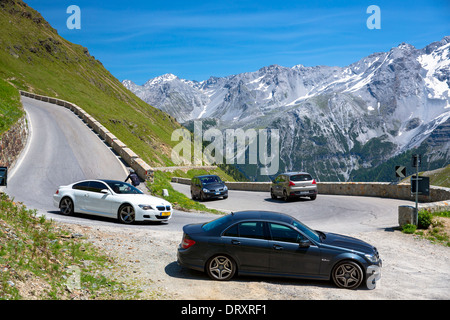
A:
[163,208]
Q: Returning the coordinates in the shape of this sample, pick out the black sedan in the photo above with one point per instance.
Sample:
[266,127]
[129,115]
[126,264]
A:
[274,244]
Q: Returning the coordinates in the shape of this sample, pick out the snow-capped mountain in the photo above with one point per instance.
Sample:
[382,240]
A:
[332,120]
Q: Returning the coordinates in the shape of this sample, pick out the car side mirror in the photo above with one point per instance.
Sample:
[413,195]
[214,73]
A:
[304,243]
[105,191]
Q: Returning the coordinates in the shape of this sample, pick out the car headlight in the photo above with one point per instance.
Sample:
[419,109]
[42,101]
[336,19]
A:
[371,257]
[146,207]
[205,190]
[225,188]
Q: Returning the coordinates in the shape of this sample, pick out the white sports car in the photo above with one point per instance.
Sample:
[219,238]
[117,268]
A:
[110,198]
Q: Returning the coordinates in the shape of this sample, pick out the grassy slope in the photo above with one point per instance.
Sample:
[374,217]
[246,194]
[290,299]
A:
[33,57]
[439,177]
[10,106]
[37,258]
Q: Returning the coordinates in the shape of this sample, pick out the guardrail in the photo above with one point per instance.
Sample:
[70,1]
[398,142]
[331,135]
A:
[143,170]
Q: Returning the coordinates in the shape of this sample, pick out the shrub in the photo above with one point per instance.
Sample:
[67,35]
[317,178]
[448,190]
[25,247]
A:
[424,219]
[409,228]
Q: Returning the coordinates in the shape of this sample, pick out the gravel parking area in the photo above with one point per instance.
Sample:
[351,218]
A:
[413,269]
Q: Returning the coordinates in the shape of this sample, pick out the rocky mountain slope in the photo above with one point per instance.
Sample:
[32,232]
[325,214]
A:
[335,122]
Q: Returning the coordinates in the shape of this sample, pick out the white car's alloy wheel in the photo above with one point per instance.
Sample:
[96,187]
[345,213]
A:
[126,214]
[66,206]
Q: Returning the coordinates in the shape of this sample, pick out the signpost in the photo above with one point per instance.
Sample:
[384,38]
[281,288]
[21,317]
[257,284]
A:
[416,160]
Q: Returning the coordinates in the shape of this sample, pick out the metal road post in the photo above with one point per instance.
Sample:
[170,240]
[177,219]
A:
[416,163]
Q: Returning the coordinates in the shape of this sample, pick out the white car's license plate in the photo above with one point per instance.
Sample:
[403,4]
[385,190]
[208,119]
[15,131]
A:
[165,214]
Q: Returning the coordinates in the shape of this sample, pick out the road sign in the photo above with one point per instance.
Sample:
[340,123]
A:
[423,187]
[400,171]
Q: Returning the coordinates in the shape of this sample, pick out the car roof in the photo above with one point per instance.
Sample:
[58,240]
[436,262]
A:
[262,215]
[206,175]
[110,181]
[292,173]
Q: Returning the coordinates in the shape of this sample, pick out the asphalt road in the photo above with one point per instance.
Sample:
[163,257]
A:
[331,213]
[62,150]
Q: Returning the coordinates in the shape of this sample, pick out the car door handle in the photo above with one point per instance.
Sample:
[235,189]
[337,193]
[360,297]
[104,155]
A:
[277,247]
[235,242]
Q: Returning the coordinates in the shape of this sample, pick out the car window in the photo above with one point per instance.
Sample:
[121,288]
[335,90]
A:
[306,230]
[254,229]
[210,179]
[216,223]
[233,231]
[301,177]
[95,186]
[284,233]
[123,188]
[81,186]
[250,229]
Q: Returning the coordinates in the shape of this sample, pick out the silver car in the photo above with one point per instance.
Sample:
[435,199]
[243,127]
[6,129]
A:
[293,184]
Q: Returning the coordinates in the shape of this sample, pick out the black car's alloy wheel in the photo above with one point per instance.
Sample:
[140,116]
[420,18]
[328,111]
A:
[348,275]
[66,206]
[221,268]
[126,214]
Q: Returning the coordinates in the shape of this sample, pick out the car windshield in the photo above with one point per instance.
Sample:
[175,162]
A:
[123,188]
[301,177]
[211,179]
[306,230]
[216,223]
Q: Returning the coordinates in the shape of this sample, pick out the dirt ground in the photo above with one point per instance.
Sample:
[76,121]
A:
[413,269]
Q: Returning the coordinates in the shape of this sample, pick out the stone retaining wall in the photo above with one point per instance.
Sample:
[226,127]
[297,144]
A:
[12,142]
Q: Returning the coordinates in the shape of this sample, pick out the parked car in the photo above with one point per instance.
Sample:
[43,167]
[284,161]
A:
[266,243]
[110,198]
[208,187]
[294,184]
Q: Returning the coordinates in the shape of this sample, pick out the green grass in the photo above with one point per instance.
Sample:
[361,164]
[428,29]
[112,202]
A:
[432,226]
[33,57]
[440,177]
[36,250]
[10,106]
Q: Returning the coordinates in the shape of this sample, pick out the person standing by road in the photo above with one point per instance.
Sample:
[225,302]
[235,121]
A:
[134,178]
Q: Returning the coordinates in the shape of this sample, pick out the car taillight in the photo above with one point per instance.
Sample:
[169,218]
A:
[187,242]
[291,183]
[314,181]
[57,191]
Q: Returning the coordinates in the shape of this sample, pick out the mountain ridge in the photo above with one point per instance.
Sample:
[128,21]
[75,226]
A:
[348,118]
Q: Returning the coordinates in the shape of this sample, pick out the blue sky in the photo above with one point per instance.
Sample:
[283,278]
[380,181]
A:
[139,40]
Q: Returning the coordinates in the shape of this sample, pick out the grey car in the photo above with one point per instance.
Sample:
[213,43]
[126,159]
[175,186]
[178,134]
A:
[264,243]
[208,187]
[294,184]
